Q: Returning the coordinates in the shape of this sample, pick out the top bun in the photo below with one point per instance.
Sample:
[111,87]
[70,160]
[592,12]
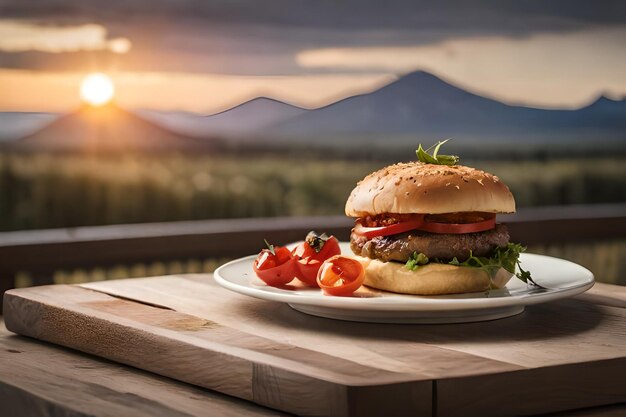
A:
[416,187]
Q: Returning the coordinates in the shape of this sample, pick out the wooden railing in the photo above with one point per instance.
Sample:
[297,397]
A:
[41,252]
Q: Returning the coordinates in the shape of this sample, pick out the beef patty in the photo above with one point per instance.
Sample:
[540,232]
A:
[436,246]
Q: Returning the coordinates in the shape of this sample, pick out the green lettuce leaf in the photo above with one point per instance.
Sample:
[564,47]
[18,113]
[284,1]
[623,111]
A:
[416,260]
[506,257]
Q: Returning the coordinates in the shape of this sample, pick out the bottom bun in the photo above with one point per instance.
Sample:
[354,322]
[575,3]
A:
[429,279]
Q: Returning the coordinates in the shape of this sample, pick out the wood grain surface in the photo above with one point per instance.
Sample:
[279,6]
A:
[188,328]
[39,379]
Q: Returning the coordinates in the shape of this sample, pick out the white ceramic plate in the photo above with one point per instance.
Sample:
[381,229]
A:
[560,278]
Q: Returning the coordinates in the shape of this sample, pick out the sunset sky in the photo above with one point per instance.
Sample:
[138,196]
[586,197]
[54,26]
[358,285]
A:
[206,56]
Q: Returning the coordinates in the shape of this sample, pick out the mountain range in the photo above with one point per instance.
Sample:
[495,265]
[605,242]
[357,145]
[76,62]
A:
[422,105]
[418,107]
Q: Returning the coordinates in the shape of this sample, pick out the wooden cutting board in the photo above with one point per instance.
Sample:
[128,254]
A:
[558,356]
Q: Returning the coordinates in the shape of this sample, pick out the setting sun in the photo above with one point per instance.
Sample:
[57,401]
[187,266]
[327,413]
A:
[97,89]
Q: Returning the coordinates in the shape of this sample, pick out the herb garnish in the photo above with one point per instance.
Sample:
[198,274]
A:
[504,257]
[316,241]
[416,260]
[435,158]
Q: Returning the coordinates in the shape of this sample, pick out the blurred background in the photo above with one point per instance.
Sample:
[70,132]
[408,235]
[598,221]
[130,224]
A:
[159,110]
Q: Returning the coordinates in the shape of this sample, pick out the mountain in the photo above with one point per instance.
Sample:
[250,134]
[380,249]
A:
[244,120]
[105,129]
[15,125]
[421,105]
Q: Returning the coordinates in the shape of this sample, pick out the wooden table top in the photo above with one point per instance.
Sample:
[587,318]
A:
[575,347]
[42,379]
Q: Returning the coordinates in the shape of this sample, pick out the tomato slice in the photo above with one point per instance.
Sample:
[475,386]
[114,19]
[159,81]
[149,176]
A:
[393,229]
[309,261]
[340,275]
[459,228]
[425,225]
[275,269]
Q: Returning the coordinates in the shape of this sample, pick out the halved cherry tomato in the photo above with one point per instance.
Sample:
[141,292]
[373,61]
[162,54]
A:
[309,260]
[277,268]
[393,229]
[340,275]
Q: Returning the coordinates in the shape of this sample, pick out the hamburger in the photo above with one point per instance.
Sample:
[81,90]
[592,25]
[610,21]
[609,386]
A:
[429,227]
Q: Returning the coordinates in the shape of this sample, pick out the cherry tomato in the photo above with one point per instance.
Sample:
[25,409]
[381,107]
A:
[340,275]
[309,260]
[329,248]
[277,268]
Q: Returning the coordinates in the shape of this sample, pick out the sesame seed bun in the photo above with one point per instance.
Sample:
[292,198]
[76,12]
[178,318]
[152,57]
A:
[416,187]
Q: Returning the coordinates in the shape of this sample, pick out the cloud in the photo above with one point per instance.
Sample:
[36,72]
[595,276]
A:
[16,36]
[447,15]
[263,38]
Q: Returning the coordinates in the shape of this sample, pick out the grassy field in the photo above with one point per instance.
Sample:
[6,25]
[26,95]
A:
[48,191]
[42,191]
